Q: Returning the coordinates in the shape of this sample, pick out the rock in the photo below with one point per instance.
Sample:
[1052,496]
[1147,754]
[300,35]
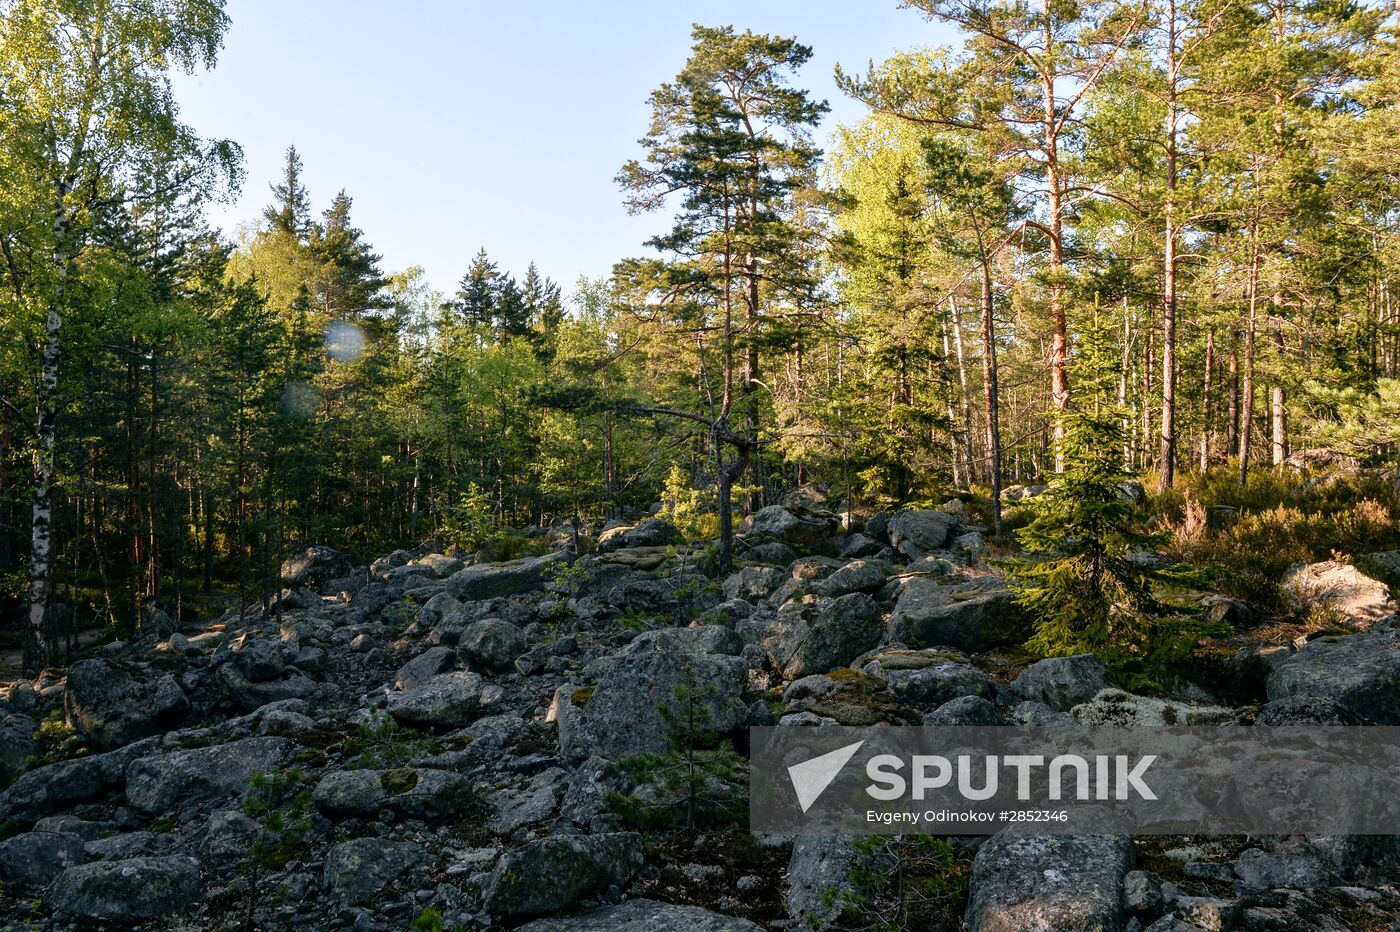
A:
[425,666]
[1256,871]
[857,576]
[1359,673]
[550,873]
[492,644]
[313,566]
[621,717]
[55,787]
[770,553]
[113,707]
[174,780]
[816,637]
[342,793]
[928,678]
[1115,708]
[513,808]
[448,700]
[974,616]
[228,837]
[72,825]
[17,745]
[860,545]
[355,871]
[411,792]
[802,529]
[916,533]
[653,532]
[753,582]
[1383,565]
[437,608]
[820,876]
[496,580]
[1340,590]
[136,888]
[1072,883]
[259,659]
[1222,609]
[32,859]
[643,915]
[250,696]
[1036,715]
[1062,682]
[1141,892]
[1306,710]
[963,712]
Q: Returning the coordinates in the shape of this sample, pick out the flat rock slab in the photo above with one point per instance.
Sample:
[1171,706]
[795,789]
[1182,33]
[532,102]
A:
[644,916]
[165,782]
[1039,883]
[357,870]
[137,888]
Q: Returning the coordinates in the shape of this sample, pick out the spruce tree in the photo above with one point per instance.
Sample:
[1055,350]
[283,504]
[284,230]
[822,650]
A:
[290,211]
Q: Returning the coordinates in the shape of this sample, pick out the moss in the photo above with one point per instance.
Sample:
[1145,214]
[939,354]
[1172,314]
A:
[399,781]
[581,696]
[915,659]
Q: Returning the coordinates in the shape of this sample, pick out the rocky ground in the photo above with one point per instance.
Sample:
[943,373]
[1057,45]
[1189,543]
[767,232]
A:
[434,742]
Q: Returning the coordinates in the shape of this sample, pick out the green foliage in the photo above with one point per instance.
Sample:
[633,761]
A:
[56,740]
[383,744]
[1094,586]
[903,883]
[429,920]
[281,805]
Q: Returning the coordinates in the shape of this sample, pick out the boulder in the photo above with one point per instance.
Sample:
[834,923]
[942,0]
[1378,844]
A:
[860,545]
[1256,871]
[421,793]
[355,871]
[917,532]
[753,582]
[228,837]
[55,787]
[133,889]
[437,608]
[653,532]
[928,679]
[965,712]
[1340,590]
[1382,565]
[819,636]
[162,783]
[448,700]
[259,659]
[1062,682]
[802,529]
[621,715]
[425,666]
[497,580]
[643,915]
[17,745]
[250,696]
[857,576]
[1059,883]
[551,873]
[114,707]
[491,644]
[976,615]
[33,859]
[1118,709]
[313,566]
[1359,673]
[820,876]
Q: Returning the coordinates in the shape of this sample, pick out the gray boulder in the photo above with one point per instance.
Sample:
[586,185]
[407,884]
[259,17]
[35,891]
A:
[621,715]
[313,566]
[818,636]
[425,666]
[250,696]
[643,915]
[653,532]
[820,876]
[1359,673]
[1118,709]
[548,874]
[916,533]
[448,700]
[259,659]
[496,580]
[492,644]
[122,891]
[965,712]
[55,787]
[976,615]
[857,576]
[802,529]
[1060,883]
[753,582]
[32,859]
[171,781]
[1062,682]
[1256,871]
[17,745]
[1340,590]
[113,707]
[928,678]
[355,871]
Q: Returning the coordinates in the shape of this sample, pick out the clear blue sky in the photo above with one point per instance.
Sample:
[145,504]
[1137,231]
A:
[456,125]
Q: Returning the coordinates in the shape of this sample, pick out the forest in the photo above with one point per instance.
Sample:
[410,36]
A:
[1061,388]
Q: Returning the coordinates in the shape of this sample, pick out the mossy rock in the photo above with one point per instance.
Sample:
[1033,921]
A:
[399,781]
[902,659]
[580,697]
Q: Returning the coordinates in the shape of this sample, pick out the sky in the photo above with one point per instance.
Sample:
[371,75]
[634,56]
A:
[468,124]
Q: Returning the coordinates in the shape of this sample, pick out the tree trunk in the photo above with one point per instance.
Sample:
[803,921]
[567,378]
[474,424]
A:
[989,394]
[1167,469]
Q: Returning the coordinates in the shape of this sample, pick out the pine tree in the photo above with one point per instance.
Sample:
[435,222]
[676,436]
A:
[290,211]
